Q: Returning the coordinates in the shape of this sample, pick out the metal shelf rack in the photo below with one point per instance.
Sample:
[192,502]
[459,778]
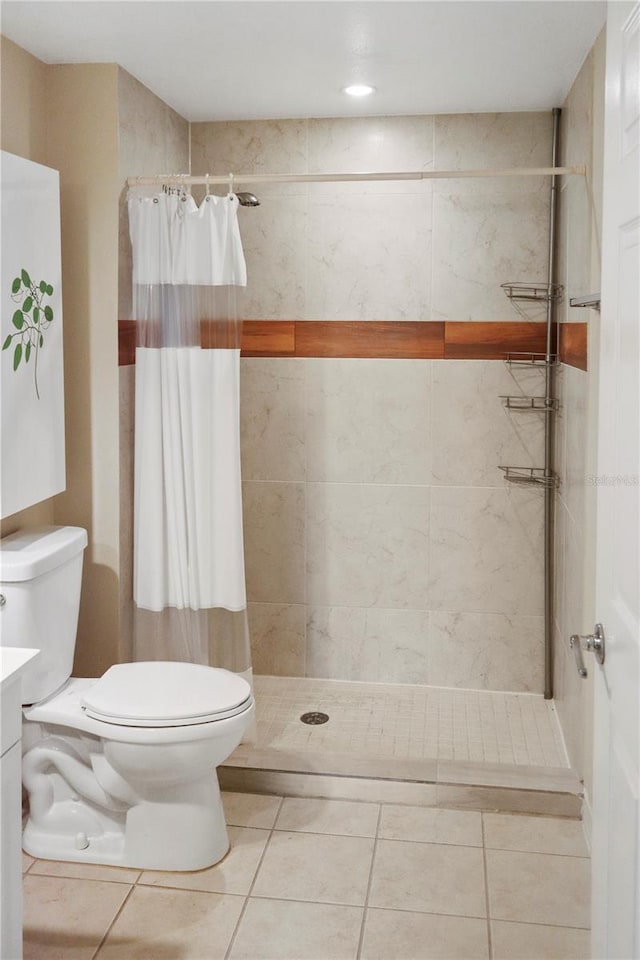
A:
[530,292]
[540,404]
[530,476]
[531,360]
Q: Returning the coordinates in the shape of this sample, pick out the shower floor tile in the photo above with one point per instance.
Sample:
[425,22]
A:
[405,722]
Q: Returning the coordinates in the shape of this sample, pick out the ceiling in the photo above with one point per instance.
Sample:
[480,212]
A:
[249,60]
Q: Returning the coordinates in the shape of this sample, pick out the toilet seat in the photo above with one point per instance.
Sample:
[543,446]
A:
[165,694]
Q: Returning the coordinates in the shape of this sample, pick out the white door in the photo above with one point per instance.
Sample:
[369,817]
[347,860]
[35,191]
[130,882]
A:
[616,806]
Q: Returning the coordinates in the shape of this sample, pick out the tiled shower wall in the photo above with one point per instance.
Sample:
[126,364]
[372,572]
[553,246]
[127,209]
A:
[381,540]
[579,270]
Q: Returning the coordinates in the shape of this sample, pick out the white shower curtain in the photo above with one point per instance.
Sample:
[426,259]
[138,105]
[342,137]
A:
[189,584]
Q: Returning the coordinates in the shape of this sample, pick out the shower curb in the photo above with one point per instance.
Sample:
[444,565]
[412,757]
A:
[564,801]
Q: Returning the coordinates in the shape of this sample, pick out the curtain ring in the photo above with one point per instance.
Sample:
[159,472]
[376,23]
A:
[207,185]
[230,194]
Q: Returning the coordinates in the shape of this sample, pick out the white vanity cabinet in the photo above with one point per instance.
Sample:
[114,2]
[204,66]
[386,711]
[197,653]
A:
[13,662]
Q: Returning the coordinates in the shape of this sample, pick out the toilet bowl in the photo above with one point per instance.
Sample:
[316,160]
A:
[121,769]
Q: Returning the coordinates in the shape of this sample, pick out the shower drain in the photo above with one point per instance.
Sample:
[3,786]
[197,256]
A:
[314,717]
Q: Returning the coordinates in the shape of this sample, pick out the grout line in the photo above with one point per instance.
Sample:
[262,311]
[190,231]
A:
[255,877]
[117,915]
[69,876]
[366,898]
[486,889]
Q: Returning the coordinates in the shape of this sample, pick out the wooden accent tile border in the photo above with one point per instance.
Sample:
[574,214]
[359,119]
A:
[572,344]
[492,340]
[451,340]
[371,338]
[126,342]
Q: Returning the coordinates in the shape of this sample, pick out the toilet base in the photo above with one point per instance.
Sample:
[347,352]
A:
[154,836]
[124,796]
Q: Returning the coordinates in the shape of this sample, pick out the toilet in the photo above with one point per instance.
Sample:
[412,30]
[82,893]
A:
[119,770]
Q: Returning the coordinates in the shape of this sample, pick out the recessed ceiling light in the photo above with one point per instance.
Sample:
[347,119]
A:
[358,90]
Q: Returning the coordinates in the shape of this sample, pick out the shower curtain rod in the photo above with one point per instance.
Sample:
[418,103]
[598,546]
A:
[230,179]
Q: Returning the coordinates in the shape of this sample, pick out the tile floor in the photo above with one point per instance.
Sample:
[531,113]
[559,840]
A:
[310,879]
[407,721]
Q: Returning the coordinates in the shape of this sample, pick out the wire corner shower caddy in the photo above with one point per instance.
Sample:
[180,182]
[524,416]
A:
[545,477]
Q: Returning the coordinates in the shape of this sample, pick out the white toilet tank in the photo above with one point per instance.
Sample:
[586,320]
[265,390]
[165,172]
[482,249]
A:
[40,579]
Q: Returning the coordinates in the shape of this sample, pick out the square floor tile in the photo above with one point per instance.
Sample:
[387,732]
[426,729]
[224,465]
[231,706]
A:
[341,817]
[538,888]
[310,866]
[250,809]
[532,941]
[169,924]
[286,930]
[535,834]
[430,825]
[423,936]
[67,918]
[233,874]
[428,877]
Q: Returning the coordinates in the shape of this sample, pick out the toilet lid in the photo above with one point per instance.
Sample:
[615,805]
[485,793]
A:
[166,694]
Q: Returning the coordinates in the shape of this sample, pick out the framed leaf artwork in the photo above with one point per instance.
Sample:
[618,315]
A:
[32,464]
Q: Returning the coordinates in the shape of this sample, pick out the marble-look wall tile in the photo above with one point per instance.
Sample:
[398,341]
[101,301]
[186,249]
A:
[576,119]
[483,238]
[576,385]
[369,257]
[252,146]
[491,231]
[560,425]
[560,522]
[575,240]
[153,139]
[486,651]
[365,435]
[277,632]
[367,545]
[486,550]
[569,695]
[570,690]
[482,141]
[378,645]
[274,242]
[472,432]
[368,421]
[274,529]
[356,144]
[272,419]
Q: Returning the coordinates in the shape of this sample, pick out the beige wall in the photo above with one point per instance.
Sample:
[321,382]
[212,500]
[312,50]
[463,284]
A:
[83,146]
[579,272]
[381,540]
[24,103]
[67,118]
[23,131]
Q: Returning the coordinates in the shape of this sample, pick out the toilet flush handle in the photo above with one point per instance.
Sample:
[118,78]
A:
[3,599]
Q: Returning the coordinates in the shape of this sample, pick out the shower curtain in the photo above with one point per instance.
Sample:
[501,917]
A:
[189,584]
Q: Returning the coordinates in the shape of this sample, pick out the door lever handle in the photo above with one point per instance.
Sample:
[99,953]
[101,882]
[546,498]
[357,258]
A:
[594,642]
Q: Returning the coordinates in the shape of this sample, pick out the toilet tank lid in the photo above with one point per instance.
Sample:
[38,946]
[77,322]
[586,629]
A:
[29,553]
